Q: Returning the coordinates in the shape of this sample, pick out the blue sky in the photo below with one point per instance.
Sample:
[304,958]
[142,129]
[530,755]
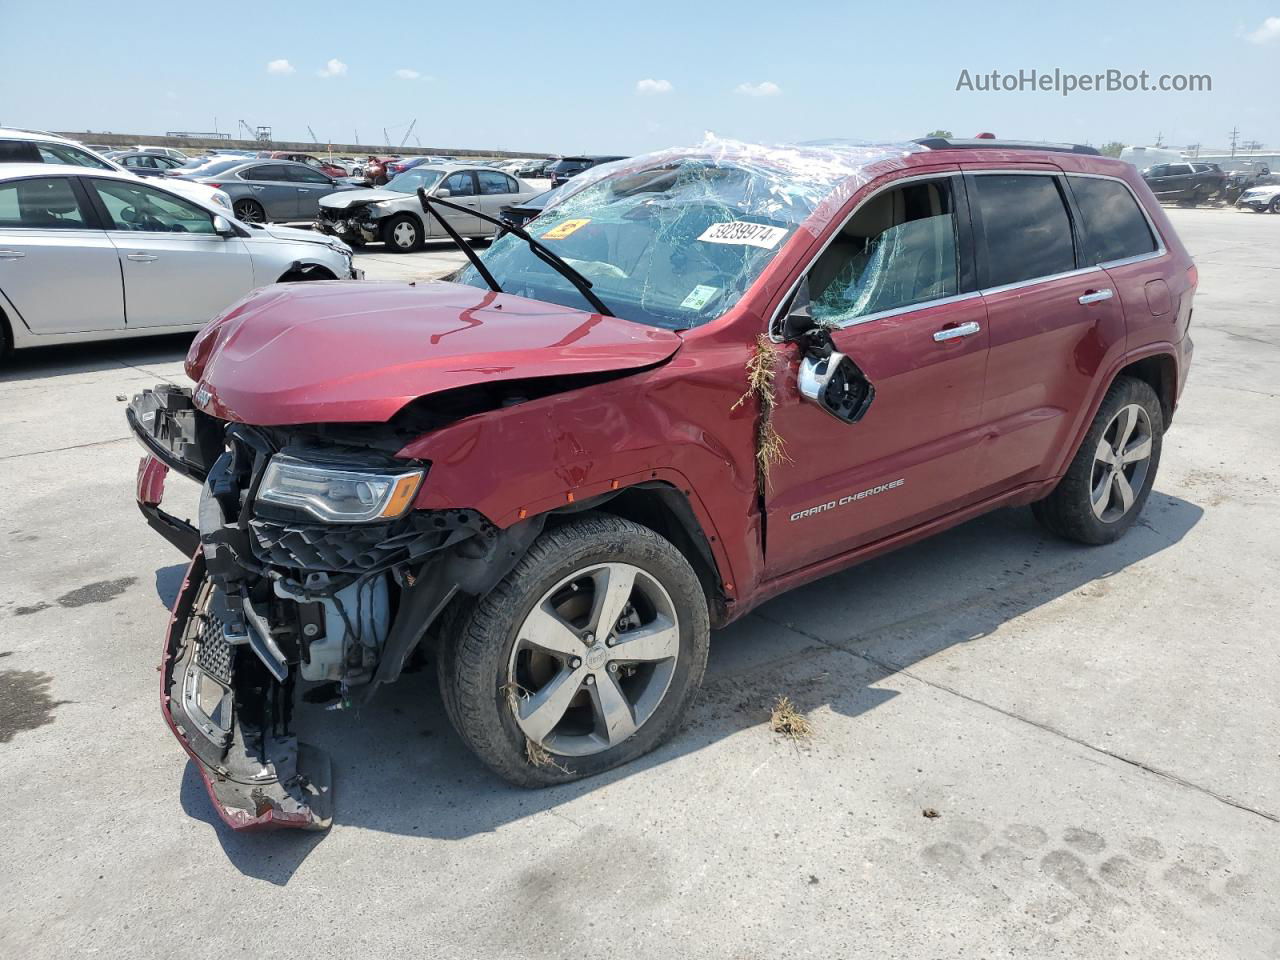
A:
[515,76]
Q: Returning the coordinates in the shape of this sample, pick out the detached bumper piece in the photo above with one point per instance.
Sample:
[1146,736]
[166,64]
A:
[234,720]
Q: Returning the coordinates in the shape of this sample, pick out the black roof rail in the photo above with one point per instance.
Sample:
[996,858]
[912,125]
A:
[953,143]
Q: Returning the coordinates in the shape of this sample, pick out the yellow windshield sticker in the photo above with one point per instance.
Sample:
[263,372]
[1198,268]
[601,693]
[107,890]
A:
[562,230]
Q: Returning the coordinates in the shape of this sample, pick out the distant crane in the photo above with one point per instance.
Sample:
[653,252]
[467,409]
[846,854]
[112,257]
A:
[314,138]
[407,132]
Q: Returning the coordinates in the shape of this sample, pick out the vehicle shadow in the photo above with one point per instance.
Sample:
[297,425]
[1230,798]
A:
[399,767]
[38,363]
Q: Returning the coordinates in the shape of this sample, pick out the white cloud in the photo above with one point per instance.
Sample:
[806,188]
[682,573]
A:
[280,67]
[334,68]
[404,73]
[1270,30]
[766,89]
[649,86]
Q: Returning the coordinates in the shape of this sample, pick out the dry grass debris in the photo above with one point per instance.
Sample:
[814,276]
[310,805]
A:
[762,368]
[788,721]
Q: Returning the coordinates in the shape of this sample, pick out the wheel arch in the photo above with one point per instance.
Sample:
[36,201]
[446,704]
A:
[667,512]
[299,271]
[1160,372]
[6,334]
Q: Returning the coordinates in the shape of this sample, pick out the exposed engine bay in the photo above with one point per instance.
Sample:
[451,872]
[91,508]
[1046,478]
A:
[309,569]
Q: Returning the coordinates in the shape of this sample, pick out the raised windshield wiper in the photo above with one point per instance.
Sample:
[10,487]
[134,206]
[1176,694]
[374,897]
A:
[549,257]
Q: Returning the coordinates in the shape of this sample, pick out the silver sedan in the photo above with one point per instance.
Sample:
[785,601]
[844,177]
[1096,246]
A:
[393,214]
[270,190]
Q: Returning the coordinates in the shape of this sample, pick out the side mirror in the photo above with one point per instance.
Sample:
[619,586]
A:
[798,320]
[222,227]
[835,383]
[443,193]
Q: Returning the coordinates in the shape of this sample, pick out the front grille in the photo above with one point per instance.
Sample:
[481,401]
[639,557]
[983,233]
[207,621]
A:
[213,653]
[359,548]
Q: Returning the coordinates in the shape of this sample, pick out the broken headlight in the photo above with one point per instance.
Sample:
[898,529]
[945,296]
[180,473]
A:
[336,494]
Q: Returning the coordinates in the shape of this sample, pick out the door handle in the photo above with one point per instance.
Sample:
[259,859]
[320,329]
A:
[1096,296]
[955,333]
[11,254]
[142,257]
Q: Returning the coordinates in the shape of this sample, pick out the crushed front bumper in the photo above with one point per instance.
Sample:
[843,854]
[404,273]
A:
[257,778]
[235,657]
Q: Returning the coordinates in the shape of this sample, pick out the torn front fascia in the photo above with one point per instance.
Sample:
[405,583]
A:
[237,641]
[233,719]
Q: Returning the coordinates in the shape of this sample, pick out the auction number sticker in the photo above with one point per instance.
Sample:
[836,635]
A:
[741,232]
[562,230]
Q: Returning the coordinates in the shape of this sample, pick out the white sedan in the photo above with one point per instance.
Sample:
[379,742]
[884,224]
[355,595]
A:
[89,254]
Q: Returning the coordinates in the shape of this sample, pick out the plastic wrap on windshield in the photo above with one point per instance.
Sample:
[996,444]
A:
[800,179]
[676,237]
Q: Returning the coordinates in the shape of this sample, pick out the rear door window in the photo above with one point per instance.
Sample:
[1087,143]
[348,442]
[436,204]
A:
[1023,227]
[495,182]
[1115,228]
[304,174]
[267,172]
[46,203]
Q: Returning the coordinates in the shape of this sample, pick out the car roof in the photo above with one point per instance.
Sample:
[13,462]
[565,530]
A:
[16,133]
[15,171]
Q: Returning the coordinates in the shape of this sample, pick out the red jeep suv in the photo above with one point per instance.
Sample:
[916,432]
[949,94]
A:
[706,377]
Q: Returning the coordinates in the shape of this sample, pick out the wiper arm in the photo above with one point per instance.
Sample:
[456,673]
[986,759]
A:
[549,257]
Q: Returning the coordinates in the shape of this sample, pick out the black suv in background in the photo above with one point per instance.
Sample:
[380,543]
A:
[1187,182]
[568,167]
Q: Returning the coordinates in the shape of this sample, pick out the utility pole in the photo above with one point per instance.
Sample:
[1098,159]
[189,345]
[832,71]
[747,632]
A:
[386,138]
[1235,138]
[1159,139]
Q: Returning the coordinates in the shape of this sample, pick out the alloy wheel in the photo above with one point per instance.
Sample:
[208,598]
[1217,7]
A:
[1121,463]
[248,212]
[593,659]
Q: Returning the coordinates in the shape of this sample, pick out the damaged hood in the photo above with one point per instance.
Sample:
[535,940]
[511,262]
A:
[352,351]
[351,198]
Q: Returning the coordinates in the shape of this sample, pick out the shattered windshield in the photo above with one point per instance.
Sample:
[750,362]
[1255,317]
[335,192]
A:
[676,242]
[411,180]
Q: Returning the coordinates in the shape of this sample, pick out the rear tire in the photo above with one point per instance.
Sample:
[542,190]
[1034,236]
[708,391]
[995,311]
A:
[249,211]
[1112,473]
[402,233]
[508,656]
[1275,205]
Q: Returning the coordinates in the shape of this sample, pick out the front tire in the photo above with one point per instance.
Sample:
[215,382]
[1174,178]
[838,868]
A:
[581,659]
[402,234]
[1111,476]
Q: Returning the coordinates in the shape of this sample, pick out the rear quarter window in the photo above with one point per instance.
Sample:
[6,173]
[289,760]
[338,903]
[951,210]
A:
[1115,227]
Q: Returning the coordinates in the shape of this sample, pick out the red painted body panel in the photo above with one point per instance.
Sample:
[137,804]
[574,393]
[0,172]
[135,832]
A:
[921,428]
[349,351]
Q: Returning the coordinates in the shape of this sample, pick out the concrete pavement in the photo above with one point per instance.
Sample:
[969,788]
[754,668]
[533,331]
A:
[1095,728]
